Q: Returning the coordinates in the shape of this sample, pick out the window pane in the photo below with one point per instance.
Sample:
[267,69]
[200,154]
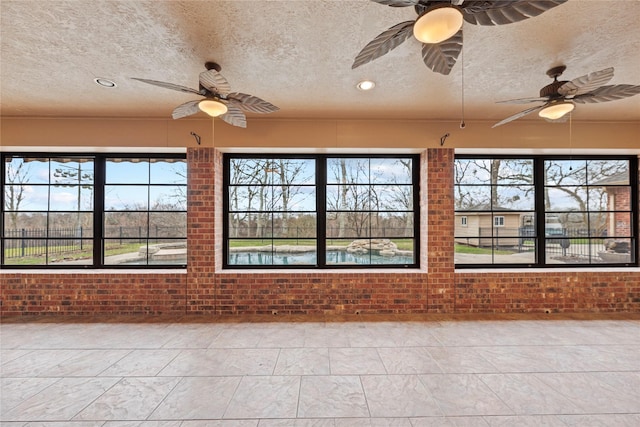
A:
[26,197]
[369,252]
[600,172]
[168,197]
[126,224]
[278,252]
[168,171]
[568,198]
[252,225]
[79,225]
[302,199]
[26,171]
[348,197]
[391,171]
[392,197]
[348,224]
[616,250]
[348,171]
[71,172]
[512,198]
[125,252]
[472,198]
[388,224]
[32,224]
[127,171]
[70,252]
[287,225]
[168,224]
[565,172]
[473,171]
[30,252]
[513,171]
[126,197]
[71,198]
[248,198]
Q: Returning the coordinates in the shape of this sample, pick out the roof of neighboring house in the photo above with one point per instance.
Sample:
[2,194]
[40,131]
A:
[616,179]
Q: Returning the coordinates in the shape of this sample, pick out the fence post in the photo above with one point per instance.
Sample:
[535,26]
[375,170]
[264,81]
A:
[81,242]
[22,242]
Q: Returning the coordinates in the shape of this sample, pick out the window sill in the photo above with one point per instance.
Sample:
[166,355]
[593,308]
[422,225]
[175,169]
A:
[94,271]
[548,270]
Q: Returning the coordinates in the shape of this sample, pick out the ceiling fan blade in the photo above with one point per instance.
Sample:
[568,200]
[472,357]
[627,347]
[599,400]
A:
[187,109]
[214,82]
[587,83]
[384,43]
[441,57]
[523,100]
[519,115]
[607,93]
[398,3]
[234,116]
[251,103]
[167,85]
[481,12]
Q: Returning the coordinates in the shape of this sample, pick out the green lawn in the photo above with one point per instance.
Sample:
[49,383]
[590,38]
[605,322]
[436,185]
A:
[70,255]
[464,249]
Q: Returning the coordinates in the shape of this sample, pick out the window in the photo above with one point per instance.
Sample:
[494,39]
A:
[320,211]
[93,211]
[586,206]
[463,221]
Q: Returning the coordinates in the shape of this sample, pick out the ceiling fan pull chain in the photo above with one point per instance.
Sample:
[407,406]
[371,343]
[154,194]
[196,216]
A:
[570,141]
[462,123]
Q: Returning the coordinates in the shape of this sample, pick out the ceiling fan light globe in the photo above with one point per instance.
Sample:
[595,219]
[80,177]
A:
[557,110]
[212,107]
[439,23]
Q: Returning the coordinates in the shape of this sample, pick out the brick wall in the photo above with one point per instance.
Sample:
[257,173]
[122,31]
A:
[87,293]
[200,291]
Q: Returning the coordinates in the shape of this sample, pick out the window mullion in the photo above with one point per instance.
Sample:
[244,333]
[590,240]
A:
[321,211]
[98,211]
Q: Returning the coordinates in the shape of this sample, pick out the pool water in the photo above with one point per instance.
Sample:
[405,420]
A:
[310,258]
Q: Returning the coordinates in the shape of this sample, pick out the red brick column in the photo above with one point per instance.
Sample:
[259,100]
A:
[201,253]
[440,226]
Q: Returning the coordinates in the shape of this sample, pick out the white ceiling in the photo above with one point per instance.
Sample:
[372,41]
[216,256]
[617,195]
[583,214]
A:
[297,54]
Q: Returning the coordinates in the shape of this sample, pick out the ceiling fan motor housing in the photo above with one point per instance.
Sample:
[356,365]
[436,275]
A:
[551,90]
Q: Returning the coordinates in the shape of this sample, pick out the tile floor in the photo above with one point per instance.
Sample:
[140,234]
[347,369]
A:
[437,373]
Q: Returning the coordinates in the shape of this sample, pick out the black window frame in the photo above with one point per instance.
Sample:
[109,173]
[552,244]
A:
[98,239]
[540,211]
[321,210]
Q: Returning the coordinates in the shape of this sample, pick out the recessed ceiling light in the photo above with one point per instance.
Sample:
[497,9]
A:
[366,85]
[105,82]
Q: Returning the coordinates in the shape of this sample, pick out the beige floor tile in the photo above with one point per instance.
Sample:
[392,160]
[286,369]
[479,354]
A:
[525,394]
[355,361]
[464,394]
[398,396]
[302,361]
[265,397]
[61,401]
[141,363]
[197,398]
[130,399]
[332,397]
[410,360]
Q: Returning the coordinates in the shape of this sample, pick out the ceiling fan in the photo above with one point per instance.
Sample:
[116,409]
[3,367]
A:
[219,101]
[439,26]
[560,97]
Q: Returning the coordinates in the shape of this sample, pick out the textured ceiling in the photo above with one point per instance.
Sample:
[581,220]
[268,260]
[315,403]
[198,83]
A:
[297,54]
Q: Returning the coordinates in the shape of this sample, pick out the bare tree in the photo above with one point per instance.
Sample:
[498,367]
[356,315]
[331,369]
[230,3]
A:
[16,178]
